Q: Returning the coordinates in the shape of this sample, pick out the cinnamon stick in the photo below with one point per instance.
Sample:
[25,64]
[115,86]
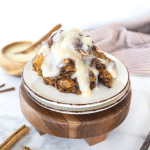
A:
[6,90]
[25,148]
[2,85]
[16,136]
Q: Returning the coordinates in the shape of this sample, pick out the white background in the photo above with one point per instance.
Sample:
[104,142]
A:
[29,20]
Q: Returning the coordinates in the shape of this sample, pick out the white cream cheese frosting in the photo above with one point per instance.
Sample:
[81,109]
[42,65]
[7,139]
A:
[62,48]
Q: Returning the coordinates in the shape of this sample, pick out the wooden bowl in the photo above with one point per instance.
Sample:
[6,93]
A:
[11,67]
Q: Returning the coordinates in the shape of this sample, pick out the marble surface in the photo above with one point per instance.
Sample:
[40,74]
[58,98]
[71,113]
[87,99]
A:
[36,20]
[128,136]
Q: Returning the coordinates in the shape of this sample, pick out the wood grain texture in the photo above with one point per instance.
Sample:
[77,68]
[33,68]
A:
[97,139]
[13,68]
[40,132]
[73,126]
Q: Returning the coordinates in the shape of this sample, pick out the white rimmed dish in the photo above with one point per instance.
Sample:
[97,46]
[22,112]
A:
[85,110]
[78,107]
[40,91]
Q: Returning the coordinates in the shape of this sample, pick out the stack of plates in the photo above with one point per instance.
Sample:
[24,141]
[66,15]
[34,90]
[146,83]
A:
[100,99]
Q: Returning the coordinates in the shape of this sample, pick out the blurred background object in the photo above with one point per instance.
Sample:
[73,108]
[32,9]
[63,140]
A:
[14,56]
[129,41]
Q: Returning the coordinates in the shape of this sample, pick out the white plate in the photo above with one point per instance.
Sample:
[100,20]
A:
[78,107]
[81,108]
[38,89]
[86,110]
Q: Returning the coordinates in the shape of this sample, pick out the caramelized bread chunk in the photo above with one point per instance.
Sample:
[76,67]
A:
[37,62]
[65,82]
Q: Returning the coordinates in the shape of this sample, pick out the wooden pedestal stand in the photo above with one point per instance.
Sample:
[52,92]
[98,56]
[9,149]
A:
[93,128]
